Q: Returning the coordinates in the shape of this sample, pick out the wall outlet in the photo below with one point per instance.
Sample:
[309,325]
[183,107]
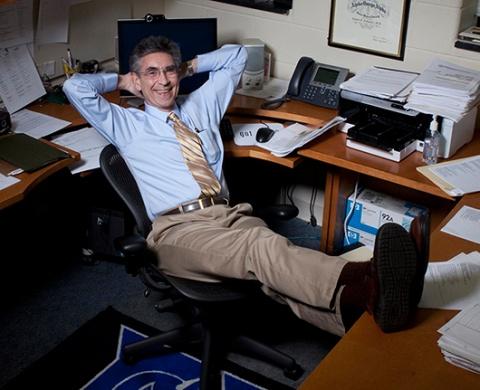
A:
[48,68]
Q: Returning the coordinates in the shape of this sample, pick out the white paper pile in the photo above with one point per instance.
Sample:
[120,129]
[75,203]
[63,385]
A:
[445,89]
[285,140]
[294,136]
[89,143]
[453,284]
[384,83]
[460,340]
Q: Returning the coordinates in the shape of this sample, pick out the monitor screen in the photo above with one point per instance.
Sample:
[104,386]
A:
[194,36]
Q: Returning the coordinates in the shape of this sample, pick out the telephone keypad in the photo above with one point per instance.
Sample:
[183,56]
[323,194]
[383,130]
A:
[320,94]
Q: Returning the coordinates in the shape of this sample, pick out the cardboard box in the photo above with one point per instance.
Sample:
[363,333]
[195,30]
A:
[372,210]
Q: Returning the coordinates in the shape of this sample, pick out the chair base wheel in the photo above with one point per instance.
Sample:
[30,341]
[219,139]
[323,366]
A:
[294,372]
[129,359]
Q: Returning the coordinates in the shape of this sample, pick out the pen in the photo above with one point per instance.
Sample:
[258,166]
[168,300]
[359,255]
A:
[70,59]
[395,70]
[66,68]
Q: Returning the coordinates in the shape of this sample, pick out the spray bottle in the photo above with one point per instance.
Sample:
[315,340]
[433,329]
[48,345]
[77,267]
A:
[431,145]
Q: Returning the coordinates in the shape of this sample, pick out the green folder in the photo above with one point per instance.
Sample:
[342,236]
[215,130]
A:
[28,153]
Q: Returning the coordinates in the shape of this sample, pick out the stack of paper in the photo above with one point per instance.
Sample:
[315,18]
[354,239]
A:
[460,341]
[285,140]
[384,83]
[456,177]
[89,143]
[445,89]
[455,284]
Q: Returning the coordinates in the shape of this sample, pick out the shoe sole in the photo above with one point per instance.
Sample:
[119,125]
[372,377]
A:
[396,267]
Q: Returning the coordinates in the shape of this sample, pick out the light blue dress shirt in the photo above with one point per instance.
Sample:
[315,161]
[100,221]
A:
[145,139]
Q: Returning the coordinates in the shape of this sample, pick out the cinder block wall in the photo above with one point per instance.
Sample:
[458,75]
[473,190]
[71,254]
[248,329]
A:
[433,26]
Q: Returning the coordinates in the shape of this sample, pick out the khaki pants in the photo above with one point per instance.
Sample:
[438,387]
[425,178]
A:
[227,242]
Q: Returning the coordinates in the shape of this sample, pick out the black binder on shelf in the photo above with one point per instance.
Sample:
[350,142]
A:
[28,153]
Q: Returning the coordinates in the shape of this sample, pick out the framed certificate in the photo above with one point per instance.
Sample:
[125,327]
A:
[372,26]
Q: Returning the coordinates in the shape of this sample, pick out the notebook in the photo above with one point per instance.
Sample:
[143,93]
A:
[28,153]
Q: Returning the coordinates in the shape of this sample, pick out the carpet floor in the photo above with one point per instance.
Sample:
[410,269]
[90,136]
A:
[90,359]
[43,312]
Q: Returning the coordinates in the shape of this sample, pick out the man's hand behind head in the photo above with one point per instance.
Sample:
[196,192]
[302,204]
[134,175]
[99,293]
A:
[126,82]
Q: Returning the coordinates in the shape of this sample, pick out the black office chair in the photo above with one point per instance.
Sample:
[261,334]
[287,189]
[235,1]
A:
[218,306]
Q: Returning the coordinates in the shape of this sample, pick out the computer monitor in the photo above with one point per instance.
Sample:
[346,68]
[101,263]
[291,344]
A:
[194,36]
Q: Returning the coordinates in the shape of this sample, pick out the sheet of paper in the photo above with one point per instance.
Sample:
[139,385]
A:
[451,285]
[35,124]
[465,224]
[459,362]
[273,88]
[465,326]
[362,253]
[460,341]
[20,82]
[52,26]
[448,79]
[16,23]
[7,181]
[386,83]
[463,174]
[472,257]
[89,143]
[295,136]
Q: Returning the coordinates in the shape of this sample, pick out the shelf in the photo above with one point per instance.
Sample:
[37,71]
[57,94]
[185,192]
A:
[461,44]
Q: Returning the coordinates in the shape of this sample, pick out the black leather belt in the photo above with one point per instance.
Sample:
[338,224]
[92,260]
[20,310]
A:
[198,204]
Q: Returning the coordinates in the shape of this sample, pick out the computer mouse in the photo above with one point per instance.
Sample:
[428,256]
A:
[264,134]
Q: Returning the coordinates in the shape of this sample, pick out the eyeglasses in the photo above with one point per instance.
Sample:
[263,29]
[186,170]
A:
[153,73]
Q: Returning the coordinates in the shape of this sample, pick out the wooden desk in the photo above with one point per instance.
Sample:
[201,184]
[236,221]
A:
[241,109]
[248,109]
[294,110]
[18,191]
[345,166]
[367,358]
[28,181]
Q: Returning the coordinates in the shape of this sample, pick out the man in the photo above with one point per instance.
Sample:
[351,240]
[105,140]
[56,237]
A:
[195,233]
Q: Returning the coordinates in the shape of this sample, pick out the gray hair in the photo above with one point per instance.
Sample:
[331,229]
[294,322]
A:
[154,44]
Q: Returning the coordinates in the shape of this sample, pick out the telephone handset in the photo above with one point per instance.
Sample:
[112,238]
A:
[298,73]
[316,83]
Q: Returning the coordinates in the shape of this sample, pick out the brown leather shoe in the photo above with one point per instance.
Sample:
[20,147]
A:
[395,271]
[420,233]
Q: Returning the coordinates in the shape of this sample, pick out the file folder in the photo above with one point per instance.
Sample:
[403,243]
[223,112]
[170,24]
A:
[28,153]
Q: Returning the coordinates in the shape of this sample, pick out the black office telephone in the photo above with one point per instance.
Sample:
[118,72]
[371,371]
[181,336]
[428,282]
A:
[316,83]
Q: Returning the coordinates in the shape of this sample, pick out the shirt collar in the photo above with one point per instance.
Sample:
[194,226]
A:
[159,114]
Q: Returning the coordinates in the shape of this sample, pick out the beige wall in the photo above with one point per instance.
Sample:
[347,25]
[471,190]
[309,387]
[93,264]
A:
[92,29]
[432,29]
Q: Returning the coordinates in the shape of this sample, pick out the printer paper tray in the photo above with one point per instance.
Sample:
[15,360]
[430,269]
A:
[394,155]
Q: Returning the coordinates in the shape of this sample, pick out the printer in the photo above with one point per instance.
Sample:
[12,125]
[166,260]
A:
[385,128]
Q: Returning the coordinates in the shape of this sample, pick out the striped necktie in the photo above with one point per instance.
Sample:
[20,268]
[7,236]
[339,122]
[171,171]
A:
[194,157]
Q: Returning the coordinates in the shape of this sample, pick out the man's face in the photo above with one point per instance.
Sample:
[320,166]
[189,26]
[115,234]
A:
[158,80]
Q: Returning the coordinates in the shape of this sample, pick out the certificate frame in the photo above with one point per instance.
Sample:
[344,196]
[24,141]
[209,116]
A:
[376,27]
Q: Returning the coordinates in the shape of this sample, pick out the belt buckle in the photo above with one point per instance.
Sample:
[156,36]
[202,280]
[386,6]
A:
[201,200]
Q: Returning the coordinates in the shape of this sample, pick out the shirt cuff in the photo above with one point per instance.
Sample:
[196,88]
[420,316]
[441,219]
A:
[206,62]
[110,81]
